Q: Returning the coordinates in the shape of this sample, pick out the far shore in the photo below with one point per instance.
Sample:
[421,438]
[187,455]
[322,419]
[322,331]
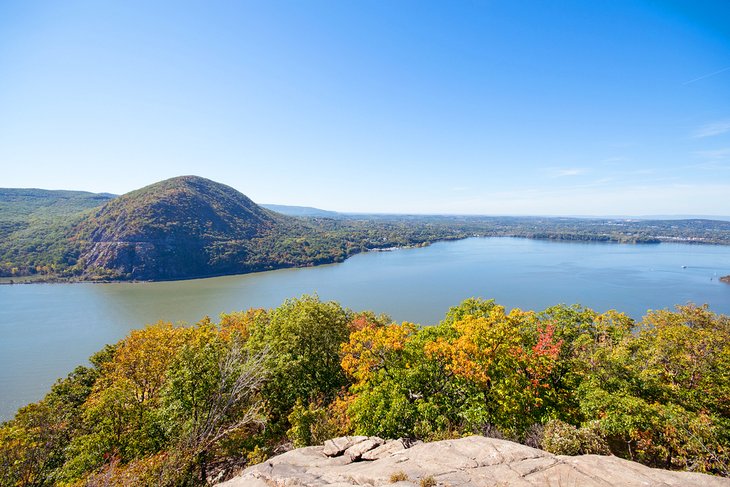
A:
[50,279]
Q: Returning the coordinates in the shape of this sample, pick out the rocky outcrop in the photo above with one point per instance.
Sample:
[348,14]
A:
[474,461]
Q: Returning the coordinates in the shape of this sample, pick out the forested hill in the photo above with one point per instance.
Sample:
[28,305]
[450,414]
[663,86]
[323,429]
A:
[35,225]
[188,227]
[20,208]
[181,227]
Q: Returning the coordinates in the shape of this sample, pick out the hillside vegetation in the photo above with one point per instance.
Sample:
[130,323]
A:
[182,228]
[188,227]
[172,405]
[35,225]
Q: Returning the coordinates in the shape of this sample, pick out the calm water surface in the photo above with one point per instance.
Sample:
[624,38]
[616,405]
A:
[48,329]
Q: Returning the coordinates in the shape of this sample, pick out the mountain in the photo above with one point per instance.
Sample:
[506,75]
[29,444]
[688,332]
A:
[20,208]
[28,201]
[182,227]
[305,211]
[34,229]
[188,227]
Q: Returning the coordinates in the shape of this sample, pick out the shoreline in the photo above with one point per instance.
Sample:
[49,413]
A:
[26,280]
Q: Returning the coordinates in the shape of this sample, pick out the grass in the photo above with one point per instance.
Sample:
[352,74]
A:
[428,481]
[398,476]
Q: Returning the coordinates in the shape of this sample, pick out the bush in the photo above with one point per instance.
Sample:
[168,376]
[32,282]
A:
[160,470]
[592,441]
[534,436]
[428,481]
[561,438]
[398,476]
[257,455]
[310,425]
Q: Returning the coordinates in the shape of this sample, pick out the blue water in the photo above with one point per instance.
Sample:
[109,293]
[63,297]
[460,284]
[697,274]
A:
[48,329]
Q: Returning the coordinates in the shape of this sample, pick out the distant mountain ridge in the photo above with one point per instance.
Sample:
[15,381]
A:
[18,203]
[35,225]
[306,211]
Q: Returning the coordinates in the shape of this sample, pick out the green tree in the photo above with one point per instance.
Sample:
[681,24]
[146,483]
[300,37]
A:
[32,444]
[212,391]
[303,338]
[506,368]
[661,396]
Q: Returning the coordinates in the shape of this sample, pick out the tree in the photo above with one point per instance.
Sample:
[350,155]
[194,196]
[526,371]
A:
[32,444]
[120,417]
[303,338]
[506,369]
[212,391]
[661,396]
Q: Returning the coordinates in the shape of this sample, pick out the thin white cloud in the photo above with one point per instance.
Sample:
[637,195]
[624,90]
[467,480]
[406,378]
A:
[705,76]
[716,154]
[712,129]
[566,172]
[614,160]
[639,199]
[712,166]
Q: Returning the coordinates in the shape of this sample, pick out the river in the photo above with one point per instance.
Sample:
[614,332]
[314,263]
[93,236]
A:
[48,329]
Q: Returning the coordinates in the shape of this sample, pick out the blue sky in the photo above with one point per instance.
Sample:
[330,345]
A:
[489,107]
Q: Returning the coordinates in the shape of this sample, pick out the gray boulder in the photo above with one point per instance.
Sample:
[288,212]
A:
[338,446]
[472,462]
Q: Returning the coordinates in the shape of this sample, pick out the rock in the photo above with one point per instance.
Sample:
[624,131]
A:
[390,446]
[356,451]
[471,462]
[337,446]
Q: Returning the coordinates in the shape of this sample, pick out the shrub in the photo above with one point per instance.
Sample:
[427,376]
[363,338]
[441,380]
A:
[428,481]
[534,436]
[165,469]
[592,441]
[398,476]
[310,425]
[257,455]
[561,438]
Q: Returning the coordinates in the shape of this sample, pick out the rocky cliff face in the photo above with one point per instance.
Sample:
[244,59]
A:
[474,461]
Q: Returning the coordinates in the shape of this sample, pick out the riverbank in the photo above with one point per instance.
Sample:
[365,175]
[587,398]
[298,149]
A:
[50,279]
[602,239]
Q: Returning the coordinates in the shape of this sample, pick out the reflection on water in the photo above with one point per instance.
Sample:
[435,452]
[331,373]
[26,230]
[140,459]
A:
[47,329]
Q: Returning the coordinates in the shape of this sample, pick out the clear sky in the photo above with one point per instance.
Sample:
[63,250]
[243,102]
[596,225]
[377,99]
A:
[492,107]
